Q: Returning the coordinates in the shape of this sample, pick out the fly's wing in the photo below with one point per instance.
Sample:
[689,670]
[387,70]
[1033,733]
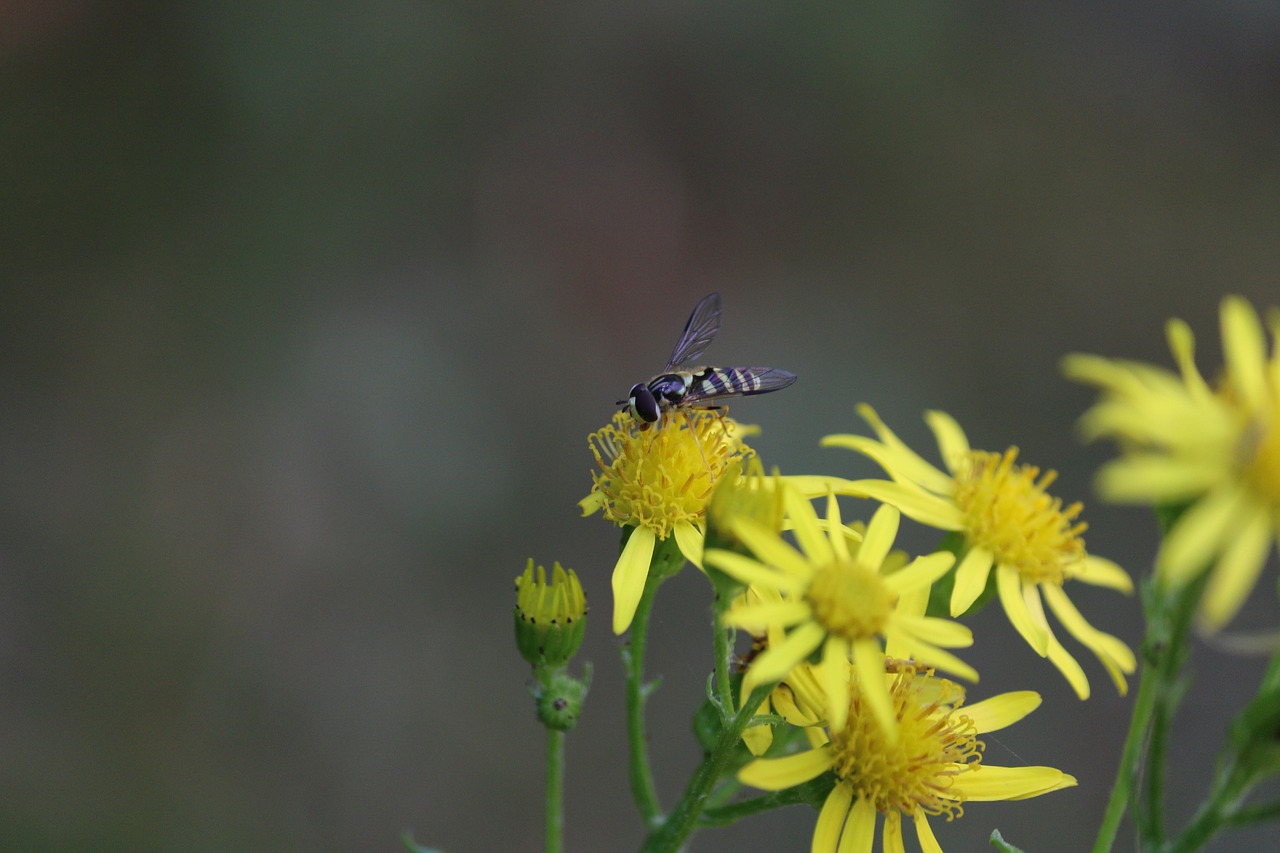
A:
[698,333]
[716,383]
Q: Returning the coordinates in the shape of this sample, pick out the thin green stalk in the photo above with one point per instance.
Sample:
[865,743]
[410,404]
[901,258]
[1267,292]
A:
[725,815]
[1122,790]
[555,791]
[666,558]
[723,654]
[671,835]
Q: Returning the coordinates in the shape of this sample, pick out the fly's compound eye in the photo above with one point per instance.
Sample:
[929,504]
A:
[644,407]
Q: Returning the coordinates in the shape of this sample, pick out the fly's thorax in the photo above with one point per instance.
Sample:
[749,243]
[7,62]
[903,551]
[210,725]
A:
[669,389]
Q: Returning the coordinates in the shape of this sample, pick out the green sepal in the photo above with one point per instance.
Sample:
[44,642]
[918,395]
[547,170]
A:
[560,697]
[549,645]
[1000,844]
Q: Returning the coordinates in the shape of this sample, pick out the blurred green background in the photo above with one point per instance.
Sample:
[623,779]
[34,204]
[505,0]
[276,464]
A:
[307,309]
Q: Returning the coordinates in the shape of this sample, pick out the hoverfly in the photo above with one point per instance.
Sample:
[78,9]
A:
[681,386]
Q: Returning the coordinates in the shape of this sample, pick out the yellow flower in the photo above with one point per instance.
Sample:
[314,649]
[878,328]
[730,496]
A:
[658,481]
[837,597]
[1010,522]
[1216,450]
[931,768]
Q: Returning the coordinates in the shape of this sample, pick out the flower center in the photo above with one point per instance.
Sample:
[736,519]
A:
[849,599]
[656,478]
[1008,512]
[936,743]
[1262,472]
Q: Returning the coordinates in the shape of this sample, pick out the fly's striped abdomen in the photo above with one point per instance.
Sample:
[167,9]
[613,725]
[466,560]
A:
[724,382]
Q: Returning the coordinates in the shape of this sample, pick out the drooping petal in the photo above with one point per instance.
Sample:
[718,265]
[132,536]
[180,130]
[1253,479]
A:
[690,541]
[1118,658]
[892,837]
[971,579]
[859,829]
[941,659]
[924,833]
[1000,711]
[1068,666]
[629,576]
[1009,587]
[826,835]
[1237,570]
[774,774]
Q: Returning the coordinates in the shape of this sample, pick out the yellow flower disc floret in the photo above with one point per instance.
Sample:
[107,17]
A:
[850,599]
[916,772]
[1262,449]
[1008,512]
[658,478]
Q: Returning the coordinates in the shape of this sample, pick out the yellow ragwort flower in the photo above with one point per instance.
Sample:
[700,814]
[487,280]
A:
[1009,522]
[931,768]
[658,481]
[1216,450]
[834,595]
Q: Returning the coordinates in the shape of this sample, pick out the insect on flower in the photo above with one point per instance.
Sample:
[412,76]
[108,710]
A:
[681,386]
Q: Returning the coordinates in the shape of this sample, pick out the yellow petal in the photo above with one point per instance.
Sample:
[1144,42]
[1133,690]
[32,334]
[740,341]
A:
[1000,711]
[833,677]
[933,629]
[1098,571]
[1198,535]
[1182,343]
[906,459]
[752,572]
[1009,586]
[817,485]
[859,829]
[777,661]
[826,835]
[1111,651]
[774,774]
[868,661]
[835,528]
[783,613]
[892,838]
[914,502]
[1068,666]
[878,540]
[1237,571]
[808,531]
[770,548]
[629,576]
[924,833]
[1157,477]
[1244,349]
[690,541]
[952,442]
[988,783]
[971,579]
[921,572]
[591,503]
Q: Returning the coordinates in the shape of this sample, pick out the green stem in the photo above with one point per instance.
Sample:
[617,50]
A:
[665,561]
[555,791]
[725,815]
[1122,790]
[723,653]
[669,837]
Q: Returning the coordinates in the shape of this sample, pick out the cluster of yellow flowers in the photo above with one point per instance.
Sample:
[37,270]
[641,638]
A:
[840,617]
